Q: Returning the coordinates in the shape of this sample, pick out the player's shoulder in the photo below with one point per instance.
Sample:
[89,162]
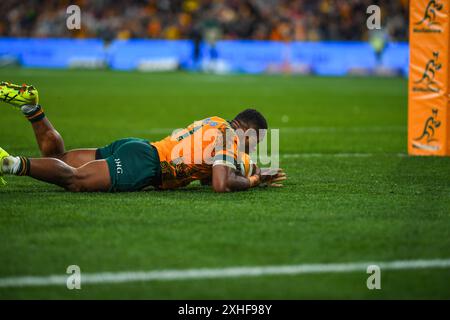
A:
[217,122]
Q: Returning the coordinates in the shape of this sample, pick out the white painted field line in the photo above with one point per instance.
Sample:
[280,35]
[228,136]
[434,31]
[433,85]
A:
[342,129]
[233,272]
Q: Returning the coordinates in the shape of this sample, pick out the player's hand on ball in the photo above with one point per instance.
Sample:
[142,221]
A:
[272,177]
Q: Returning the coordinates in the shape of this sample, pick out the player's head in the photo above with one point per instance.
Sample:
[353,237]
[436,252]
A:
[253,126]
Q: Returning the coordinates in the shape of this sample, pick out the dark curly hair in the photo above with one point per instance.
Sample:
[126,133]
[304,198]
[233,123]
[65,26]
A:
[252,118]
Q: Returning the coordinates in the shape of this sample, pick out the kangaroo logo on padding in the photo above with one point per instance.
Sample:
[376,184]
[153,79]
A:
[427,83]
[429,23]
[427,137]
[429,15]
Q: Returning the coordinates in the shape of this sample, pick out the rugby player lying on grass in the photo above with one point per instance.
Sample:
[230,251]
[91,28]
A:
[135,164]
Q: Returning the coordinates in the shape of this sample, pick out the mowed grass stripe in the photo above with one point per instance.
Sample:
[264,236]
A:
[339,155]
[232,272]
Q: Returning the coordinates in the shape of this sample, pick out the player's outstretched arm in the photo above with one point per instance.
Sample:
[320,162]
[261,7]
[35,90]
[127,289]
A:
[226,179]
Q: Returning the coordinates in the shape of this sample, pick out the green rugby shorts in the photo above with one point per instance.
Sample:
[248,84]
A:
[133,164]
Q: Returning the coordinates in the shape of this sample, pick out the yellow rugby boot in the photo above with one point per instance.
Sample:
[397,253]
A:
[3,155]
[18,96]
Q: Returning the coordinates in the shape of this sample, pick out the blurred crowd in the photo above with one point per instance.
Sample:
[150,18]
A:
[283,20]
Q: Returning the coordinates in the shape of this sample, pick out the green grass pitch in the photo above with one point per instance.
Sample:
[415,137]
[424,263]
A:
[352,194]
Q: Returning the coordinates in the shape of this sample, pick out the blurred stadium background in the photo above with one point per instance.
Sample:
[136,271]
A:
[326,37]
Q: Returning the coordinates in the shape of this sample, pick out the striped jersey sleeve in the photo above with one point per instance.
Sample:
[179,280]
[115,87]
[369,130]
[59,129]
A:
[226,148]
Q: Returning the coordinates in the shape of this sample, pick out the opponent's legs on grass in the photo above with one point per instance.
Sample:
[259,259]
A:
[75,170]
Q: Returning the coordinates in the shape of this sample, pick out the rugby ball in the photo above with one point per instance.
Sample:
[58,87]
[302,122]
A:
[245,165]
